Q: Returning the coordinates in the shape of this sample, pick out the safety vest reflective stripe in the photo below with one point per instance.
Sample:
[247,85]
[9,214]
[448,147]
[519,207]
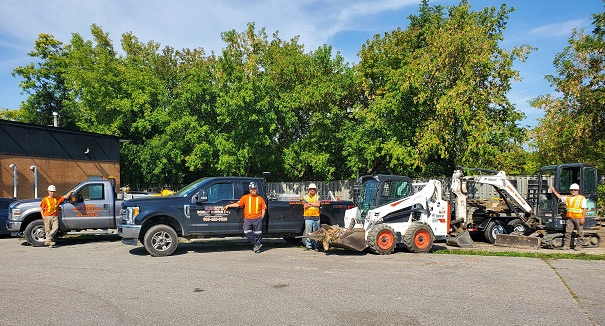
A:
[49,207]
[311,211]
[574,209]
[250,205]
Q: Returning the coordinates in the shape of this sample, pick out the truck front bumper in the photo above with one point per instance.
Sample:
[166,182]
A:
[129,234]
[13,226]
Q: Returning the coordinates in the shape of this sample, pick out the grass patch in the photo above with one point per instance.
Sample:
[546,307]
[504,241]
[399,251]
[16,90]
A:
[579,256]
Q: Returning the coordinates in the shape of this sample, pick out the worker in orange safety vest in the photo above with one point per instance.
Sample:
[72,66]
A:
[254,211]
[50,207]
[576,215]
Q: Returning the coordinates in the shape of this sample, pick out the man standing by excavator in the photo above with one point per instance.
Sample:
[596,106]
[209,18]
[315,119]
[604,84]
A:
[50,214]
[576,215]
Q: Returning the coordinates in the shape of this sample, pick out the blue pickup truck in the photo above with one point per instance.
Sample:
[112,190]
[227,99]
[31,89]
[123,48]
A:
[196,212]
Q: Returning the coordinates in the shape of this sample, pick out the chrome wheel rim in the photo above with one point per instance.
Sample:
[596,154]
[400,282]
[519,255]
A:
[161,241]
[498,229]
[38,234]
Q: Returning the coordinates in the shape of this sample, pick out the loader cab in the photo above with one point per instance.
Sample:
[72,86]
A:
[549,209]
[381,189]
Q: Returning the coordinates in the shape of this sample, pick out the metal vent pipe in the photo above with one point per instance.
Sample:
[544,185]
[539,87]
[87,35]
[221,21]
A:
[14,180]
[33,167]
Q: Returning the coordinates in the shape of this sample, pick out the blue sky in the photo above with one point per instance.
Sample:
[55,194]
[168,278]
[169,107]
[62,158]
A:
[343,24]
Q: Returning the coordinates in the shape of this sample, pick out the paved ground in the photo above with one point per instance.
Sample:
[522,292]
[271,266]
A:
[101,281]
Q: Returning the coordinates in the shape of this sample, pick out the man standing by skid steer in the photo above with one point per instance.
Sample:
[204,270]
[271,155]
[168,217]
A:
[576,215]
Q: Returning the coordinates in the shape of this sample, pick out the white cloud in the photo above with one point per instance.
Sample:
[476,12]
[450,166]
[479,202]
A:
[559,29]
[187,23]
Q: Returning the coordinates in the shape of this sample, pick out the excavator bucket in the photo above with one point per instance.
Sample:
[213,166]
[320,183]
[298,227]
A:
[512,240]
[462,240]
[333,236]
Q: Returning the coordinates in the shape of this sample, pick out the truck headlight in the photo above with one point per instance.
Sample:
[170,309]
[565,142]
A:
[15,213]
[129,214]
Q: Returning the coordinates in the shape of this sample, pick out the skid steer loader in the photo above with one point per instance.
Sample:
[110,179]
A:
[388,213]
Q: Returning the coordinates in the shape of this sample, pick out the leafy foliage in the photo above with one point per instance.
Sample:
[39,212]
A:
[435,95]
[420,101]
[573,129]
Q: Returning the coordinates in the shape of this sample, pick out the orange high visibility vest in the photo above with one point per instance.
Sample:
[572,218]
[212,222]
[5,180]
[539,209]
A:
[50,206]
[253,206]
[574,207]
[311,211]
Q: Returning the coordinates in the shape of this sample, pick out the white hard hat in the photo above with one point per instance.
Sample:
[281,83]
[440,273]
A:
[52,188]
[252,185]
[312,186]
[574,186]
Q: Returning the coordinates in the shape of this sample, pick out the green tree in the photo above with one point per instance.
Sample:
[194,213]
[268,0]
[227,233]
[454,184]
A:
[44,82]
[573,128]
[434,95]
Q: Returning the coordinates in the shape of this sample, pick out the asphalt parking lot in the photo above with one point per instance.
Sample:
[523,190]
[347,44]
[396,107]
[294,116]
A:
[98,280]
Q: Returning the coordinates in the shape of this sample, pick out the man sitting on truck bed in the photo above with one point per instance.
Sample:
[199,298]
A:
[254,211]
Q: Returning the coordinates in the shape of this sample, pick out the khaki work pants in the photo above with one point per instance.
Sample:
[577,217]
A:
[51,226]
[573,224]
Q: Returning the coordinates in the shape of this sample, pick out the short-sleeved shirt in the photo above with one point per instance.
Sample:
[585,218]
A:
[253,206]
[582,204]
[50,206]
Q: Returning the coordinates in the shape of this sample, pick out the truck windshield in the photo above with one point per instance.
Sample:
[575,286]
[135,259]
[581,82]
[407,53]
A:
[188,190]
[65,194]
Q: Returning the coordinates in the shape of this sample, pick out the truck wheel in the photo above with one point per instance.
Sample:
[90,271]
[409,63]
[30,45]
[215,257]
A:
[516,226]
[34,233]
[418,238]
[160,240]
[382,239]
[492,230]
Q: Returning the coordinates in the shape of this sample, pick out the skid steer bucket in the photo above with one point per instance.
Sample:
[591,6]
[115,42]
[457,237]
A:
[511,240]
[333,236]
[462,240]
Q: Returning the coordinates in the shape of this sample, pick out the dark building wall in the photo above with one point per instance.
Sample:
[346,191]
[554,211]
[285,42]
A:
[62,157]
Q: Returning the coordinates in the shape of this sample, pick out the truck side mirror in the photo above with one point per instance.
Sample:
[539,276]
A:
[200,197]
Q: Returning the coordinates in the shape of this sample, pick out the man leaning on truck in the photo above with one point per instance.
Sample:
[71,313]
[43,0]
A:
[50,214]
[254,211]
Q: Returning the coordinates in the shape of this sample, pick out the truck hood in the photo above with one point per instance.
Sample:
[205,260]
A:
[26,203]
[150,201]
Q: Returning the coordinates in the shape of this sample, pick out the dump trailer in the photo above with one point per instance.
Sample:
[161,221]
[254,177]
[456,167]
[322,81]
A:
[388,213]
[547,221]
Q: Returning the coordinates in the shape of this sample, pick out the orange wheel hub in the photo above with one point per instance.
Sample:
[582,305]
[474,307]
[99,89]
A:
[422,239]
[385,239]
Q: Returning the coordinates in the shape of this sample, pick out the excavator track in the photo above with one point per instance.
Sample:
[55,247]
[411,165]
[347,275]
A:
[555,240]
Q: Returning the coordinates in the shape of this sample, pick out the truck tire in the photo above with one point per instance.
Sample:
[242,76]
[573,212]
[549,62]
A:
[382,239]
[516,226]
[160,240]
[34,233]
[492,230]
[418,238]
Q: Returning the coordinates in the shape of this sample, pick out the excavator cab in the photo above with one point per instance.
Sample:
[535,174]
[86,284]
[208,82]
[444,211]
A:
[550,211]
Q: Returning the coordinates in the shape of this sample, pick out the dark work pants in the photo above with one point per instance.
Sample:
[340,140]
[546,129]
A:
[253,229]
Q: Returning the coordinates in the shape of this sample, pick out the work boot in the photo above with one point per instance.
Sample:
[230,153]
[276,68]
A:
[564,248]
[577,248]
[47,243]
[256,249]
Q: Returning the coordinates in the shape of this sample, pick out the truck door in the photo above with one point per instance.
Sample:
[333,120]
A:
[208,217]
[92,209]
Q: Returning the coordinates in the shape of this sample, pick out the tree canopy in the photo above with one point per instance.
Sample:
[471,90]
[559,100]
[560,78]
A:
[420,101]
